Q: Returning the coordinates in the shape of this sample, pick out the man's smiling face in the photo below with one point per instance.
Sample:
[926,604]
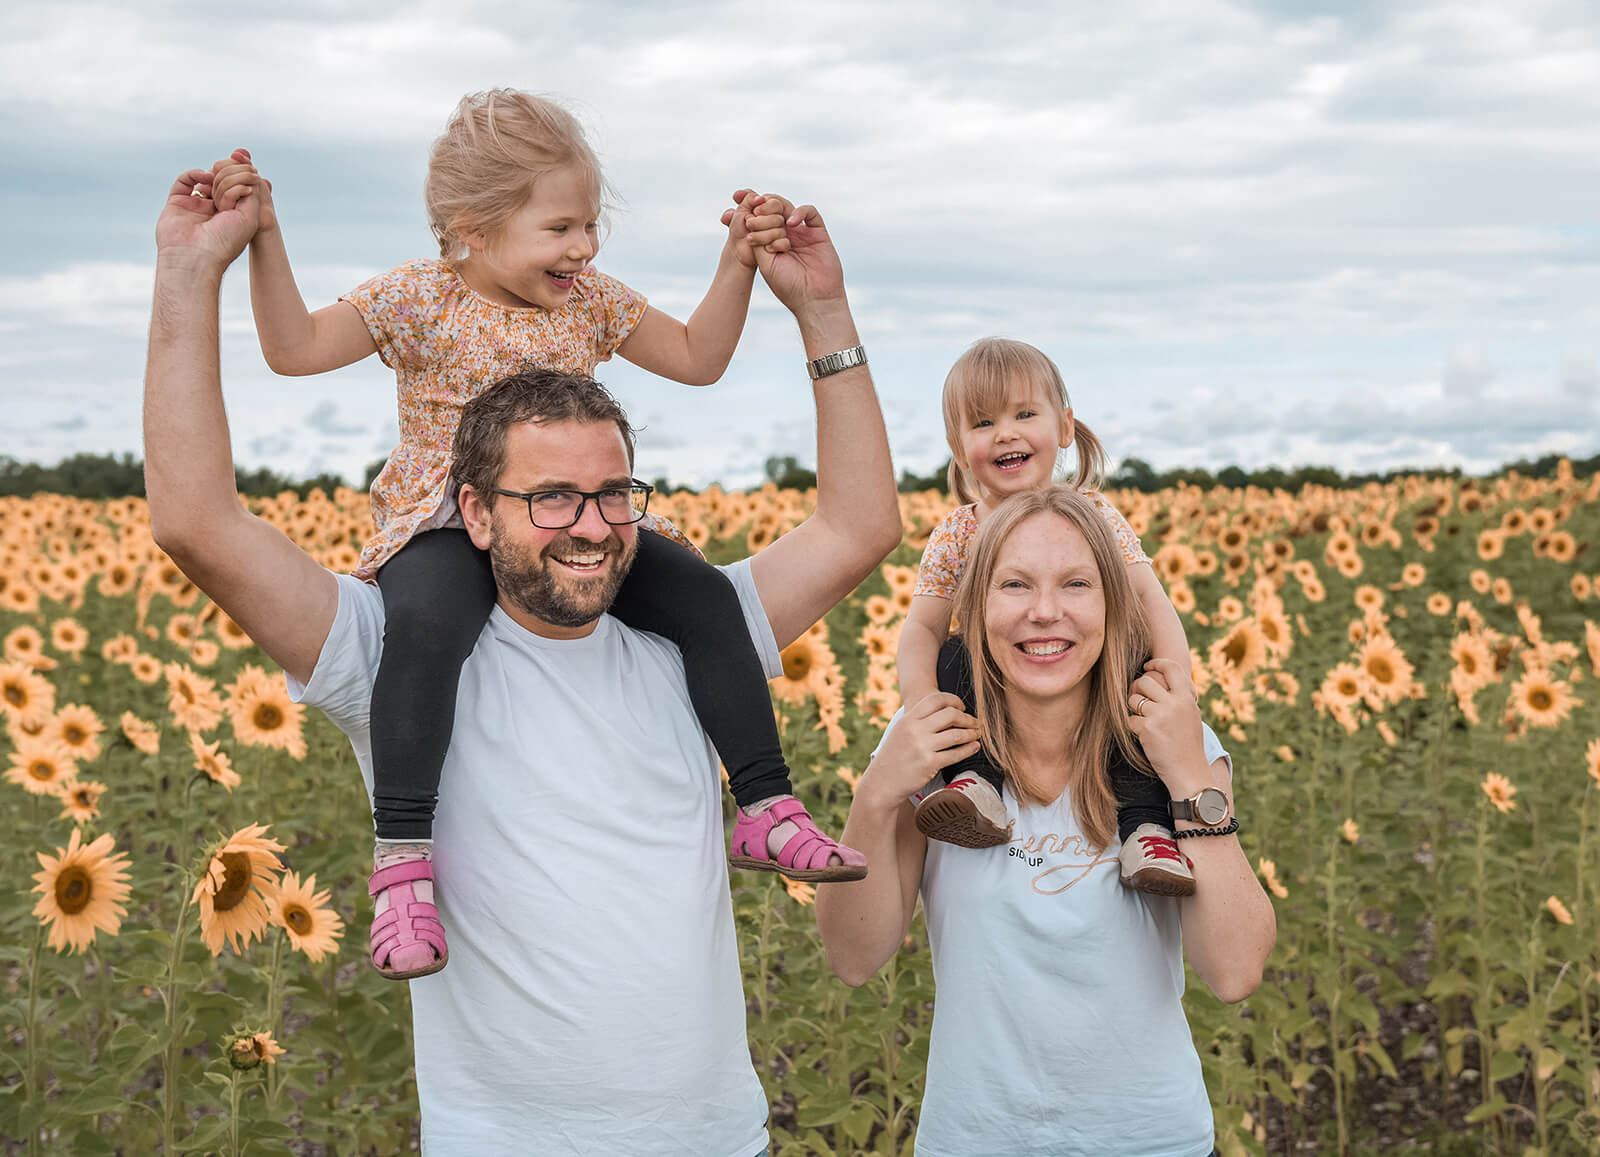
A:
[556,583]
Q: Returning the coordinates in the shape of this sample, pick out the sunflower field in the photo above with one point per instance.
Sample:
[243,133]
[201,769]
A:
[1407,676]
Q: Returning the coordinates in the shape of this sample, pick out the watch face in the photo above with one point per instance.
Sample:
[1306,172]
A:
[1211,806]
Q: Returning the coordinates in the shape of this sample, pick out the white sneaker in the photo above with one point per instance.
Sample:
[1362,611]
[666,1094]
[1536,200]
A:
[968,812]
[1152,862]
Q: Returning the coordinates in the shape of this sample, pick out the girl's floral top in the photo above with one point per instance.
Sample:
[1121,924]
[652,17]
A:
[945,556]
[446,345]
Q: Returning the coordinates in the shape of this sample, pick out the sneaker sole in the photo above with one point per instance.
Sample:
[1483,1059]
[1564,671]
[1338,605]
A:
[952,818]
[1157,883]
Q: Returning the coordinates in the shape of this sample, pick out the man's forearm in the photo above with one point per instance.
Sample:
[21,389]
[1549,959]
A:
[855,476]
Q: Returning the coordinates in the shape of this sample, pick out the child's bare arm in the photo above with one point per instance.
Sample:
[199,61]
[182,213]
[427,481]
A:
[926,628]
[697,352]
[1167,639]
[294,340]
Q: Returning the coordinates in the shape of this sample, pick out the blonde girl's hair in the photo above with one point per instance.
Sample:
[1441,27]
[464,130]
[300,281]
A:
[493,151]
[1103,730]
[977,386]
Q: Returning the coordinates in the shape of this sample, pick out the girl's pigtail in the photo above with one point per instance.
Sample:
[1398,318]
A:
[1092,460]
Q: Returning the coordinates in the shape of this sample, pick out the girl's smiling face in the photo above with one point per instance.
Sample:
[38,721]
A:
[1014,449]
[536,256]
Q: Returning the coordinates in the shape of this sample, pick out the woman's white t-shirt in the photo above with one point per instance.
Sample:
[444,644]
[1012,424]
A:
[1058,1025]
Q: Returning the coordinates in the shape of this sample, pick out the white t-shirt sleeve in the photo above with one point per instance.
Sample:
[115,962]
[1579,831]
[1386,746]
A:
[341,684]
[755,616]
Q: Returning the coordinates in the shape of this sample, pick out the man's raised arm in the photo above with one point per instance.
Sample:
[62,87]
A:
[267,584]
[857,521]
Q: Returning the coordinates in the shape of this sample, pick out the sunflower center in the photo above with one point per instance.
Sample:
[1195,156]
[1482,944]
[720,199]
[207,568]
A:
[1381,670]
[1349,688]
[1469,663]
[16,696]
[43,770]
[236,877]
[267,717]
[74,890]
[186,691]
[298,919]
[797,666]
[74,735]
[1234,650]
[1540,699]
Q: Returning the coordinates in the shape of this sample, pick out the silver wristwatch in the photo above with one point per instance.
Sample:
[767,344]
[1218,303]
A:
[1208,806]
[833,363]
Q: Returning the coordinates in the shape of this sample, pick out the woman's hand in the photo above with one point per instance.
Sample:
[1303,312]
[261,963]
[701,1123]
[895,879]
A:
[931,734]
[1165,716]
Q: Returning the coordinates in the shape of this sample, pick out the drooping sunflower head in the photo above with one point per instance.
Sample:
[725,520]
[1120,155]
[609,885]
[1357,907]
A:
[239,878]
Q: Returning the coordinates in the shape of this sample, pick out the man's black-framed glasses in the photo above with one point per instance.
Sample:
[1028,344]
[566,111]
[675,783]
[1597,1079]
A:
[559,509]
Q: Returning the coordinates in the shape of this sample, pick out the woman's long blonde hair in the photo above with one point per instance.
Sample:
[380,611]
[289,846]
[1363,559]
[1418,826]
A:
[1103,730]
[497,144]
[977,386]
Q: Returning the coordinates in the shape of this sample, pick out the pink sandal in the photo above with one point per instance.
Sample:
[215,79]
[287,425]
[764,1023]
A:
[804,857]
[408,938]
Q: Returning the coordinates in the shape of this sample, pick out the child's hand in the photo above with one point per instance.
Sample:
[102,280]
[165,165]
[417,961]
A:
[237,178]
[756,221]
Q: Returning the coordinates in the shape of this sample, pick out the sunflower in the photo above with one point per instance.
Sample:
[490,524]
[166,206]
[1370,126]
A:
[1501,590]
[119,578]
[248,1050]
[1314,591]
[1182,598]
[1229,610]
[81,799]
[1562,547]
[801,659]
[1413,574]
[1343,685]
[204,652]
[239,881]
[24,695]
[879,608]
[1480,581]
[879,643]
[1582,587]
[233,636]
[305,914]
[119,649]
[1386,668]
[209,759]
[192,699]
[900,577]
[1541,700]
[1499,790]
[1368,597]
[68,637]
[1269,876]
[1491,545]
[40,766]
[1438,603]
[262,713]
[81,892]
[182,630]
[1350,565]
[19,596]
[145,668]
[1241,650]
[25,645]
[78,728]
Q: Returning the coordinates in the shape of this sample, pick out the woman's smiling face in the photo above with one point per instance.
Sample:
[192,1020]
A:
[1045,609]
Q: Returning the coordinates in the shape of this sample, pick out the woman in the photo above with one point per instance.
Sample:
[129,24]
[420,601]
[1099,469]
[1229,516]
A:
[1059,1027]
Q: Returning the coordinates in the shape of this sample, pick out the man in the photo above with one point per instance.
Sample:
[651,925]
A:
[593,1000]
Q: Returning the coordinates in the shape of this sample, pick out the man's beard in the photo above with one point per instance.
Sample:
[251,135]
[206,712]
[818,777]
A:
[529,582]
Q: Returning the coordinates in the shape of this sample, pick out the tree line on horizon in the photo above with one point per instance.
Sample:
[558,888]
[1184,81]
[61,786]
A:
[122,475]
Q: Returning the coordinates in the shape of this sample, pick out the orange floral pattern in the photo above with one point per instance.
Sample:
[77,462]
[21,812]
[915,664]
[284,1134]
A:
[446,344]
[945,556]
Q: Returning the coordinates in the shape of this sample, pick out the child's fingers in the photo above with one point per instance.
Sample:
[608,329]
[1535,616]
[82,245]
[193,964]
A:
[766,236]
[727,216]
[777,204]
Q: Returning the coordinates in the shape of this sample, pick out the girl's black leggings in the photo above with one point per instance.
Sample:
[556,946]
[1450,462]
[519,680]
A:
[437,595]
[1141,798]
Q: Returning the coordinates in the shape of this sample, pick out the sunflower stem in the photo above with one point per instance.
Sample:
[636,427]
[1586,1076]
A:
[169,1060]
[233,1115]
[274,1012]
[32,1069]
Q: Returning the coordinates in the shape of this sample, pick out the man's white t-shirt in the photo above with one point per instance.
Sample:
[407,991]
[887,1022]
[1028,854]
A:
[593,1001]
[1058,1023]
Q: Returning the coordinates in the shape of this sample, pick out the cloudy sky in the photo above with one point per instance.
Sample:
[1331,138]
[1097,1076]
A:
[1355,233]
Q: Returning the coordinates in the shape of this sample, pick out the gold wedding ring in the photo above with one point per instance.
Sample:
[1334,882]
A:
[1138,708]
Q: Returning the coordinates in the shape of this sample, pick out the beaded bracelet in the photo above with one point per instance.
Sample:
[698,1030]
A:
[1233,826]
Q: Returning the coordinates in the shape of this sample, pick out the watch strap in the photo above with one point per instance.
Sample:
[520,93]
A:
[837,362]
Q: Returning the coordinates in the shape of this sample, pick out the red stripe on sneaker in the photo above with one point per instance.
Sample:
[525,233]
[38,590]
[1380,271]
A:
[1160,848]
